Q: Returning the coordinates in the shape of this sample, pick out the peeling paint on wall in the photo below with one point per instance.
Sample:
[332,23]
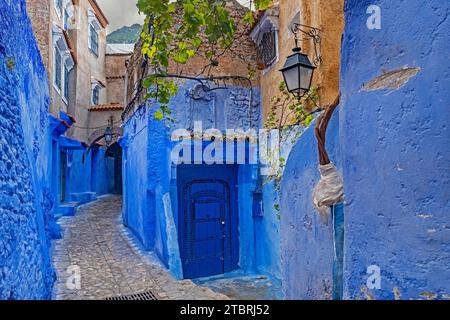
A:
[392,80]
[395,150]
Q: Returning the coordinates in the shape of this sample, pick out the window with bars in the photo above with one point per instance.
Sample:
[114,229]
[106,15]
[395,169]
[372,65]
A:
[57,71]
[93,40]
[268,48]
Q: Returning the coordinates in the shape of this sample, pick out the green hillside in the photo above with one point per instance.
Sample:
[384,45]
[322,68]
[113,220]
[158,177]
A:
[125,34]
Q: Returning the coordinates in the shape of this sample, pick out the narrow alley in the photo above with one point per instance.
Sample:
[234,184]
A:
[224,150]
[110,263]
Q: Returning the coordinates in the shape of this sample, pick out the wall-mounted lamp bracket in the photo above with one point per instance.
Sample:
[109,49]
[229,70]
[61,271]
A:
[303,32]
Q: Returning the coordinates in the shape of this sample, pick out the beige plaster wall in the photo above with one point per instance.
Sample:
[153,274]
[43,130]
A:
[89,67]
[327,15]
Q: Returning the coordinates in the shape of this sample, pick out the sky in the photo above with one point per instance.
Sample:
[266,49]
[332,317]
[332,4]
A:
[124,13]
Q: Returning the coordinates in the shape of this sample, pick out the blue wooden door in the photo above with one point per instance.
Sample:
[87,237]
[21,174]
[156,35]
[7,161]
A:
[208,221]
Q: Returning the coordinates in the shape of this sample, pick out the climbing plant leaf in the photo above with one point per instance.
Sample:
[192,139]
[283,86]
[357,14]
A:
[175,30]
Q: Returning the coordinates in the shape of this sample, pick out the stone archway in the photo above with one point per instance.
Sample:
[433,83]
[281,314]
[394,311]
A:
[98,134]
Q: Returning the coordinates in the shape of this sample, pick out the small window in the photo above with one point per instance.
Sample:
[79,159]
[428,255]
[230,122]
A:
[66,20]
[95,95]
[66,83]
[57,71]
[268,48]
[93,39]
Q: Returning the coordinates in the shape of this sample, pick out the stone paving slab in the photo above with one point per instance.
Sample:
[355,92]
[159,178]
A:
[109,262]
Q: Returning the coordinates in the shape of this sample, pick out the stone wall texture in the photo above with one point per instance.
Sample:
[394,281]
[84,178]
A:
[115,77]
[40,12]
[25,269]
[234,62]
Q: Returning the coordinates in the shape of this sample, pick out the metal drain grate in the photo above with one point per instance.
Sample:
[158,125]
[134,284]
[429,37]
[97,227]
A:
[147,295]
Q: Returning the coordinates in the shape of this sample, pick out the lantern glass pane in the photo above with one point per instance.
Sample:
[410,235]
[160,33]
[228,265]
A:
[291,77]
[305,78]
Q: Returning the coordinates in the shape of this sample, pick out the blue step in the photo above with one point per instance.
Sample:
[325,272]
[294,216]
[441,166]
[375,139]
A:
[83,197]
[67,209]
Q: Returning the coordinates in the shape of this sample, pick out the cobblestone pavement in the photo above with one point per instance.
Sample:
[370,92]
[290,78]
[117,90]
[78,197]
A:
[239,286]
[110,263]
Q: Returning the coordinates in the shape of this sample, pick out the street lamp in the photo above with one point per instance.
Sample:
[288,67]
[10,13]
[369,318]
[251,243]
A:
[298,73]
[298,70]
[108,135]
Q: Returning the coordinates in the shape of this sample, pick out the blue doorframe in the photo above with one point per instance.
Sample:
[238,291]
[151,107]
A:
[207,219]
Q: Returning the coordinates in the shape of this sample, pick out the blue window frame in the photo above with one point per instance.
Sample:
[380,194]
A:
[93,42]
[66,20]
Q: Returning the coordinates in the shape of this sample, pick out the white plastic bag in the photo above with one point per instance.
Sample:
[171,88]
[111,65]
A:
[330,189]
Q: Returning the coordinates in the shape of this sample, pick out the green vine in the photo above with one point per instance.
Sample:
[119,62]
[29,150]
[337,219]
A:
[287,112]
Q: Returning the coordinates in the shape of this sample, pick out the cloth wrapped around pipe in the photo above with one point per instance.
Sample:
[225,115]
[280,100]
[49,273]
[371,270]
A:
[330,189]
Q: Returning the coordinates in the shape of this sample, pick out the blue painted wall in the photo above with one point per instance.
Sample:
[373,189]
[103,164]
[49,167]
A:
[87,174]
[396,150]
[135,167]
[150,179]
[306,240]
[100,169]
[25,201]
[267,247]
[79,172]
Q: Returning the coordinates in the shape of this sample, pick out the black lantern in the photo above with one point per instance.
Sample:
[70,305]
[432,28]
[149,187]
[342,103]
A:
[108,136]
[298,73]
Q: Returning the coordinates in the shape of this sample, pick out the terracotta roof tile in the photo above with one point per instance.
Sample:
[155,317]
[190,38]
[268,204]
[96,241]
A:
[107,107]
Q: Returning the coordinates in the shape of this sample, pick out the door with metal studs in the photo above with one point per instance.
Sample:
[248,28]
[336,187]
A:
[207,220]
